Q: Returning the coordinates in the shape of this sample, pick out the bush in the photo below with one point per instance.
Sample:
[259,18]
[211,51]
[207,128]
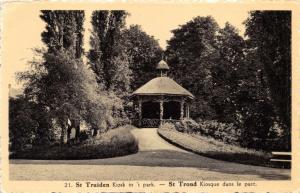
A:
[84,135]
[213,148]
[221,131]
[115,142]
[275,140]
[190,125]
[179,127]
[29,124]
[276,144]
[225,132]
[170,126]
[185,125]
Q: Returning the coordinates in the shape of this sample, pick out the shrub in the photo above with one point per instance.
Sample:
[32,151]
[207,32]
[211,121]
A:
[179,127]
[225,132]
[189,125]
[185,125]
[117,115]
[115,142]
[170,126]
[84,135]
[207,146]
[29,124]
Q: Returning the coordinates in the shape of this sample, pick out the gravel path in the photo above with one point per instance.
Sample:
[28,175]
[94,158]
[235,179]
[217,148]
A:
[149,140]
[156,160]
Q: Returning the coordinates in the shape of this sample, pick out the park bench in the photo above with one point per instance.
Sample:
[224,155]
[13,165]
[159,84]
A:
[283,158]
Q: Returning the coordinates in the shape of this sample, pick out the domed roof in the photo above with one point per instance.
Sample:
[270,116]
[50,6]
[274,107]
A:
[162,65]
[162,86]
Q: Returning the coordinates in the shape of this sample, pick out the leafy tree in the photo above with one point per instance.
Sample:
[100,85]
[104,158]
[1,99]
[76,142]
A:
[68,89]
[64,29]
[144,53]
[225,73]
[227,77]
[254,108]
[109,60]
[192,52]
[29,124]
[269,32]
[107,56]
[60,81]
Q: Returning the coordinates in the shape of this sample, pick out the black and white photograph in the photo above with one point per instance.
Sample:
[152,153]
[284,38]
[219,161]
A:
[150,93]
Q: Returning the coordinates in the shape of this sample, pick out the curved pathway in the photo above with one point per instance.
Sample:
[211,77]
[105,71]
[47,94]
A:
[156,160]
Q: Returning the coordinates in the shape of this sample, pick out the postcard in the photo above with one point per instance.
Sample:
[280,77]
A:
[153,96]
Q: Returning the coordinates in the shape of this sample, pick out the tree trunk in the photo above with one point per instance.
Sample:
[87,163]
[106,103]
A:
[95,133]
[69,133]
[63,133]
[77,131]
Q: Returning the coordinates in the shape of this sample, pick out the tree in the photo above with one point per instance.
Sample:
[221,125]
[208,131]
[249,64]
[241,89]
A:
[64,29]
[60,82]
[253,104]
[270,33]
[226,76]
[29,124]
[144,53]
[191,53]
[68,89]
[225,73]
[107,56]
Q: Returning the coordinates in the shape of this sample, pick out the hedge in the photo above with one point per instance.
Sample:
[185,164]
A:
[212,148]
[115,142]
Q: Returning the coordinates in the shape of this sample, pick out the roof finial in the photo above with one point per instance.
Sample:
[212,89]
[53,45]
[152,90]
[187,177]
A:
[162,67]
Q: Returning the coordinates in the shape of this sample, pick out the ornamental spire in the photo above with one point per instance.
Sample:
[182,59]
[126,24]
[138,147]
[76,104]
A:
[162,67]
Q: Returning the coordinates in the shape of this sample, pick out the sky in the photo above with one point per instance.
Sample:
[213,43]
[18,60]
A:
[23,27]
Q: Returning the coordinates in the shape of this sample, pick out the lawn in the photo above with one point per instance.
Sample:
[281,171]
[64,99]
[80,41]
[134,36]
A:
[115,142]
[212,148]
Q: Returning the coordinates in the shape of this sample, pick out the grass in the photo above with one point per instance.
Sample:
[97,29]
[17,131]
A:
[212,148]
[115,142]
